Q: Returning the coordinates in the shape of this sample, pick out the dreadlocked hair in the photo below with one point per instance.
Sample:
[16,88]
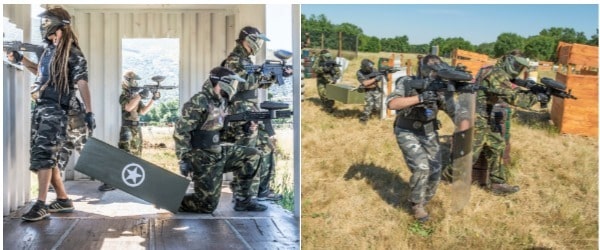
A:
[59,67]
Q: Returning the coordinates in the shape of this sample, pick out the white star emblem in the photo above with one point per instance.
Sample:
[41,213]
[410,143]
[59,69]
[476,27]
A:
[133,175]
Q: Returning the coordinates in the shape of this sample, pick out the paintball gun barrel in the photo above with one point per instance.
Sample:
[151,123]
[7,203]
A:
[273,68]
[274,110]
[448,79]
[548,86]
[152,88]
[329,65]
[23,47]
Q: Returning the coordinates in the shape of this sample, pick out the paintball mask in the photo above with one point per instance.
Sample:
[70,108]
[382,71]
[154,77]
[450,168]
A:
[227,80]
[366,66]
[50,24]
[131,78]
[431,63]
[254,38]
[514,65]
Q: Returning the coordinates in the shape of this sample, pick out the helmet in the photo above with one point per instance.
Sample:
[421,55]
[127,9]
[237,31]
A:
[366,66]
[52,20]
[131,78]
[325,54]
[513,65]
[226,79]
[254,38]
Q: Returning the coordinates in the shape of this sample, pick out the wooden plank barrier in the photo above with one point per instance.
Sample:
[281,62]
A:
[578,70]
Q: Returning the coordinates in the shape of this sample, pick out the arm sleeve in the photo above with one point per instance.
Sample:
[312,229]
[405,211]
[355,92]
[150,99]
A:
[191,117]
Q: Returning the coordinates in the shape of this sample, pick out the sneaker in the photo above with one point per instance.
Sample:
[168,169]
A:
[269,196]
[61,206]
[38,211]
[503,189]
[105,187]
[249,205]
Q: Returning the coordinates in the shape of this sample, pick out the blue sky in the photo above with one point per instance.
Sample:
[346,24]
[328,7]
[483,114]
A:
[475,23]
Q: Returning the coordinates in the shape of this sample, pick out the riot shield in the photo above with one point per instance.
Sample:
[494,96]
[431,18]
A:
[132,174]
[462,149]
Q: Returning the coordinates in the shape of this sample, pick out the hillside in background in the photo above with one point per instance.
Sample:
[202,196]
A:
[355,187]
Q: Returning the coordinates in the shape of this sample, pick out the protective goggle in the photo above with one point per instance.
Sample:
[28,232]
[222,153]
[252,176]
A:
[228,84]
[50,24]
[256,41]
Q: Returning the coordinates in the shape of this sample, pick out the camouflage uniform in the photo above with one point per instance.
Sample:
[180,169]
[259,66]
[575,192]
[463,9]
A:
[416,133]
[325,76]
[488,136]
[49,117]
[130,136]
[77,132]
[197,141]
[372,96]
[246,99]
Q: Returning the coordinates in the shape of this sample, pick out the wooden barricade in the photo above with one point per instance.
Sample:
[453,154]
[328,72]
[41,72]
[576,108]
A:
[471,60]
[545,66]
[578,70]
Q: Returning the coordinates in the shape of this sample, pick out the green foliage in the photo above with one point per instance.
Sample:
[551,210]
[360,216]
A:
[165,112]
[396,44]
[485,48]
[419,48]
[447,45]
[368,44]
[420,229]
[568,35]
[540,47]
[507,42]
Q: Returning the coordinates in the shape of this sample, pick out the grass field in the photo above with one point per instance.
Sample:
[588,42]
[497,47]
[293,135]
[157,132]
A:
[355,187]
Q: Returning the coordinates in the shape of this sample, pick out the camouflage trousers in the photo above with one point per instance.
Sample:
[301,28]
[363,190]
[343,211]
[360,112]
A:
[322,90]
[492,145]
[372,103]
[77,134]
[207,175]
[266,164]
[130,140]
[48,133]
[423,158]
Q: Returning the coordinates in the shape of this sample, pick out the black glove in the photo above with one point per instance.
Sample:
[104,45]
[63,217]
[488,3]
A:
[18,57]
[379,78]
[156,96]
[185,168]
[144,93]
[89,119]
[428,96]
[543,98]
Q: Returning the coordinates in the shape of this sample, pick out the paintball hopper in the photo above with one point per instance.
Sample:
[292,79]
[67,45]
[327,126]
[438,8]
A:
[553,84]
[158,79]
[446,72]
[282,54]
[274,105]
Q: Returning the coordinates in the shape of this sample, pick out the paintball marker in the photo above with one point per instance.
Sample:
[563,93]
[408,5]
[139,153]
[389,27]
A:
[549,87]
[24,47]
[448,79]
[274,110]
[329,65]
[273,68]
[383,71]
[153,88]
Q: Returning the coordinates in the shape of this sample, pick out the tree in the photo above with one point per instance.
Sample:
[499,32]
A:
[455,43]
[419,48]
[349,34]
[568,35]
[485,48]
[540,48]
[396,44]
[507,42]
[593,40]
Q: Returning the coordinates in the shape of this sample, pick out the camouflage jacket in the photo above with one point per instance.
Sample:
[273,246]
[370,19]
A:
[134,115]
[204,111]
[499,89]
[322,74]
[237,60]
[363,77]
[77,66]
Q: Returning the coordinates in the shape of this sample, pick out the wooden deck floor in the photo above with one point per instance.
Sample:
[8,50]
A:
[117,220]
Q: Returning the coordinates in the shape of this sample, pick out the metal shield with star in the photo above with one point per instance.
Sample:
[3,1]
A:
[131,174]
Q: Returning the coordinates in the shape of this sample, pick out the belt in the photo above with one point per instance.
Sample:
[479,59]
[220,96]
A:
[130,123]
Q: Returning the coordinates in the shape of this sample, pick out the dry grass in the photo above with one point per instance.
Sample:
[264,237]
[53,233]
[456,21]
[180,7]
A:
[355,187]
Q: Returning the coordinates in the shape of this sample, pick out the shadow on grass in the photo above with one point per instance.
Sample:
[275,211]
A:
[340,110]
[534,119]
[389,185]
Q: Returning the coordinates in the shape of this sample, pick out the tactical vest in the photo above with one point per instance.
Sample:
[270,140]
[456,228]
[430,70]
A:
[420,118]
[207,135]
[49,94]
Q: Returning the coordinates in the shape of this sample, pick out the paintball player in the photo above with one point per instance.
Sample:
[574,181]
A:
[416,128]
[491,115]
[198,147]
[249,42]
[61,67]
[77,129]
[327,73]
[132,107]
[371,87]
